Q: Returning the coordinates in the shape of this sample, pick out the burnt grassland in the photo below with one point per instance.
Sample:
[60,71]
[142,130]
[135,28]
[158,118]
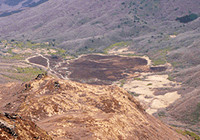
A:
[105,69]
[39,60]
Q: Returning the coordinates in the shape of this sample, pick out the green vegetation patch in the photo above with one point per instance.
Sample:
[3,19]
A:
[134,94]
[59,52]
[161,114]
[29,70]
[189,133]
[158,61]
[24,74]
[122,82]
[170,77]
[175,64]
[137,78]
[118,44]
[161,57]
[149,84]
[15,57]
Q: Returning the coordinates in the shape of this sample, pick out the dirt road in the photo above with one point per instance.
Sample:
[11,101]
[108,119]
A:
[47,68]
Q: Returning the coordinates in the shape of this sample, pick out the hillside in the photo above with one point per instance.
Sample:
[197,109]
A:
[166,31]
[10,7]
[96,24]
[13,127]
[70,110]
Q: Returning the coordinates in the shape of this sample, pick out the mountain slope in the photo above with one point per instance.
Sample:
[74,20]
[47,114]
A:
[76,23]
[70,110]
[9,7]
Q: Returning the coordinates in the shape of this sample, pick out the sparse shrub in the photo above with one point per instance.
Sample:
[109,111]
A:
[137,78]
[187,18]
[149,84]
[161,114]
[134,94]
[171,78]
[122,82]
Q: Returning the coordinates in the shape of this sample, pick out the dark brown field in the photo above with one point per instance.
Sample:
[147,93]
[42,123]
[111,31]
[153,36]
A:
[97,69]
[39,60]
[54,60]
[104,69]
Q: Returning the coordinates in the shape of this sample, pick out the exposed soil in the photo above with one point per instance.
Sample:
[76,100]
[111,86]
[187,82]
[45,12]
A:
[145,90]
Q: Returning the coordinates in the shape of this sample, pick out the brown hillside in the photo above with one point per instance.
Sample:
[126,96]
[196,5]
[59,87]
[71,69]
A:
[13,127]
[70,110]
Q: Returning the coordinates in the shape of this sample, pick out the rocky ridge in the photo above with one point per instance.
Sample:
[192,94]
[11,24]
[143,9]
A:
[71,110]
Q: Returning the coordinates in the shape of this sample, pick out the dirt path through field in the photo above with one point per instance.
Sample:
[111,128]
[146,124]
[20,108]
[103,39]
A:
[142,87]
[48,68]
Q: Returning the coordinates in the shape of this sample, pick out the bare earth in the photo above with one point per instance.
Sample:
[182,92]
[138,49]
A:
[145,89]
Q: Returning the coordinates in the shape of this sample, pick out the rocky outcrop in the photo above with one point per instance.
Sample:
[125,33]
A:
[13,127]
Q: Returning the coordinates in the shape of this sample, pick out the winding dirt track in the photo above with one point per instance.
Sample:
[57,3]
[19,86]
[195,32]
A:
[48,68]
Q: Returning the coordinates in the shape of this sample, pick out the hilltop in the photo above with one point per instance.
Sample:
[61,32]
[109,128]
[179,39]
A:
[70,110]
